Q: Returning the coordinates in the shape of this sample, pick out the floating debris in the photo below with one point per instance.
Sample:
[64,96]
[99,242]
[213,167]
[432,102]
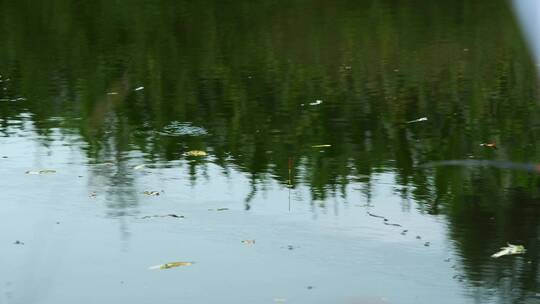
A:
[427,244]
[219,209]
[391,224]
[170,265]
[112,93]
[289,247]
[195,153]
[92,195]
[177,128]
[17,242]
[489,145]
[44,171]
[509,250]
[248,242]
[385,220]
[164,215]
[418,120]
[375,215]
[321,146]
[316,103]
[418,237]
[151,193]
[139,88]
[139,167]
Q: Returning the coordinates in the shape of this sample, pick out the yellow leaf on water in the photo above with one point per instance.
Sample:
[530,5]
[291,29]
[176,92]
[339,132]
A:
[170,265]
[196,153]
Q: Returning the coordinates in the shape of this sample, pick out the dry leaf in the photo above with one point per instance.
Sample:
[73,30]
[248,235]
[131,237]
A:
[509,250]
[196,153]
[418,120]
[170,265]
[489,145]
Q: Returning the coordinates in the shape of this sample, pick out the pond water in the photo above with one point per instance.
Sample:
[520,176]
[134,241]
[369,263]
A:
[320,122]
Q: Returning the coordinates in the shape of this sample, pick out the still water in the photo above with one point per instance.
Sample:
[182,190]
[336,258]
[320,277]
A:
[302,110]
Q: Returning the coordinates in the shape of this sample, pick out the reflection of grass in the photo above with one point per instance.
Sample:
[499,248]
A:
[371,75]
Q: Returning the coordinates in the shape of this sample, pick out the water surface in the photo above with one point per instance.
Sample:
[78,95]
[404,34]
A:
[302,109]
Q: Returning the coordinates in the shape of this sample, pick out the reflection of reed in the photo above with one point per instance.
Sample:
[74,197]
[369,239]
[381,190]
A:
[112,99]
[485,163]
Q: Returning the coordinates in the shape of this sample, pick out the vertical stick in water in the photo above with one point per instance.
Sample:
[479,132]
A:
[290,171]
[290,181]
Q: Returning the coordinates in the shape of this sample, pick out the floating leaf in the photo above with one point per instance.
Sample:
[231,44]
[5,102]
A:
[45,171]
[139,167]
[196,153]
[170,265]
[248,242]
[509,250]
[165,215]
[418,120]
[321,146]
[316,103]
[151,193]
[139,88]
[489,145]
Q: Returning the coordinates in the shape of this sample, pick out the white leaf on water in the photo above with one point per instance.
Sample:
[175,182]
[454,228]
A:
[509,250]
[418,120]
